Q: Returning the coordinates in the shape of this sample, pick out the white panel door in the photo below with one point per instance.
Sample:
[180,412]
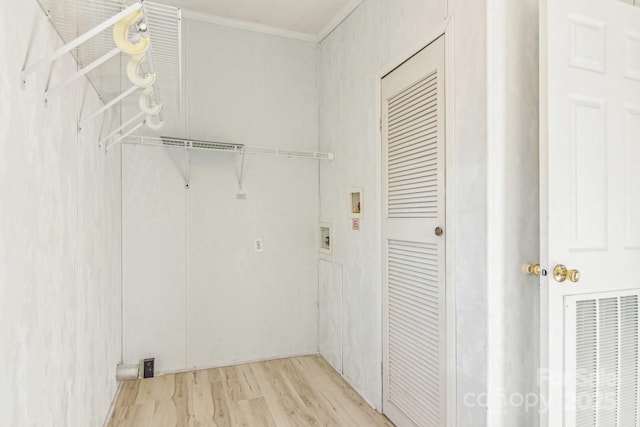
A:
[414,334]
[590,211]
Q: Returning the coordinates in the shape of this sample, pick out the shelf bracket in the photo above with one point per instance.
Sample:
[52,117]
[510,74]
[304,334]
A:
[95,64]
[124,135]
[107,106]
[78,41]
[187,165]
[241,176]
[119,128]
[103,125]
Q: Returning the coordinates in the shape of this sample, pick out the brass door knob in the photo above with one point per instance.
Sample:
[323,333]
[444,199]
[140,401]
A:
[438,231]
[561,273]
[534,269]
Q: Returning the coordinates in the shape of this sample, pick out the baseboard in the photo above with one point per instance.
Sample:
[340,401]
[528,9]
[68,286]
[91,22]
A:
[112,407]
[201,368]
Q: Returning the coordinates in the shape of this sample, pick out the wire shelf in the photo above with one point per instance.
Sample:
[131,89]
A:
[165,141]
[73,18]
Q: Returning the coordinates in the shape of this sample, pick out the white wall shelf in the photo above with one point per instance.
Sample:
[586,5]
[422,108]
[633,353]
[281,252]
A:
[226,147]
[85,26]
[240,149]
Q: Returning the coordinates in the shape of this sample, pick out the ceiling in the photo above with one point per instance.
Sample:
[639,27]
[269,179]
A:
[311,18]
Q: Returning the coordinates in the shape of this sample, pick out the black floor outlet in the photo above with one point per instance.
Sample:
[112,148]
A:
[148,368]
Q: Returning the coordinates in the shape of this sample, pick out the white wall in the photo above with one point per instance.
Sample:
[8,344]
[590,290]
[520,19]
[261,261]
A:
[378,33]
[513,211]
[153,254]
[59,241]
[196,294]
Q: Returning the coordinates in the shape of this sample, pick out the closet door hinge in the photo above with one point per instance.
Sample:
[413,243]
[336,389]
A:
[380,124]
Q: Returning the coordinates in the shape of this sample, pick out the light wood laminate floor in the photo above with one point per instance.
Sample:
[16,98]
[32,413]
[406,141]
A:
[299,391]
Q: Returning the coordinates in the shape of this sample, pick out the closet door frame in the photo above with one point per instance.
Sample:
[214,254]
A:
[446,30]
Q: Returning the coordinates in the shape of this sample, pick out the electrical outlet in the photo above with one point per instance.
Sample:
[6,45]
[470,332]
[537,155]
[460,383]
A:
[148,368]
[258,245]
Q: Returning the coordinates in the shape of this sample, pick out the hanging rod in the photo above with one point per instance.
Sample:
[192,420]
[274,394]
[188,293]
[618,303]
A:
[195,144]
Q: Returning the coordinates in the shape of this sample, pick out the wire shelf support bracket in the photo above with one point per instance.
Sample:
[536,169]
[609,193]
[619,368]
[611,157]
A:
[99,52]
[119,129]
[108,106]
[78,41]
[241,175]
[187,166]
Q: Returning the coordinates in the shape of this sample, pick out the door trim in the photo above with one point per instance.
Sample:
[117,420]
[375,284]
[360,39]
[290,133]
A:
[445,30]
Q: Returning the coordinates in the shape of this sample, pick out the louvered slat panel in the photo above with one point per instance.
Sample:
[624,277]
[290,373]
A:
[412,150]
[586,361]
[401,181]
[397,101]
[428,133]
[412,267]
[415,321]
[586,338]
[606,361]
[406,193]
[410,377]
[409,264]
[431,297]
[410,273]
[416,183]
[403,118]
[425,313]
[405,167]
[407,129]
[419,99]
[628,393]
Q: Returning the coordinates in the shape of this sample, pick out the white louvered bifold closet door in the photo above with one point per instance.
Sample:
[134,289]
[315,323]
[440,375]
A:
[602,349]
[414,330]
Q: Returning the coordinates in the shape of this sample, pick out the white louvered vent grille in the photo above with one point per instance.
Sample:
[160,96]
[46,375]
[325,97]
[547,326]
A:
[608,342]
[413,150]
[586,361]
[415,325]
[628,393]
[607,362]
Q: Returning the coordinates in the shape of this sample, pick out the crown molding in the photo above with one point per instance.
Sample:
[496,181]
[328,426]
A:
[274,31]
[247,26]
